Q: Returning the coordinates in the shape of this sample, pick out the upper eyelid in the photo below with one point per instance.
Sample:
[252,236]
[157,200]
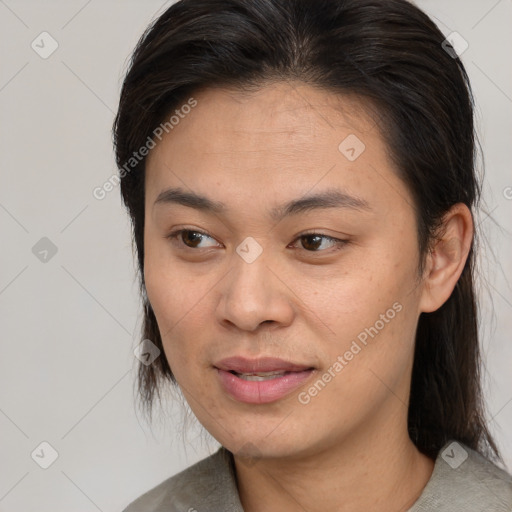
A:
[177,232]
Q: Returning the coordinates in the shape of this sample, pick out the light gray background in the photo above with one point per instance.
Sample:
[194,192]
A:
[69,325]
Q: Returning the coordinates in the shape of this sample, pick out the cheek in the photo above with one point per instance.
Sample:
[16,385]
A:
[370,309]
[178,301]
[365,283]
[170,291]
[180,317]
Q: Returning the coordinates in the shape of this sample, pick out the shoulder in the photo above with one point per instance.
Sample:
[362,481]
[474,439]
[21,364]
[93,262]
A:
[465,481]
[209,483]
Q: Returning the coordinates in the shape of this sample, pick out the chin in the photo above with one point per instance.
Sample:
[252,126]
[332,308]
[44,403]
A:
[261,440]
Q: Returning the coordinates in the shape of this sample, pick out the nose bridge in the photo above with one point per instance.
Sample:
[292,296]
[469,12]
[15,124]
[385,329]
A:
[251,294]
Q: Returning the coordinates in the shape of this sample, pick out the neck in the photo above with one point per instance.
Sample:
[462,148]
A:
[369,470]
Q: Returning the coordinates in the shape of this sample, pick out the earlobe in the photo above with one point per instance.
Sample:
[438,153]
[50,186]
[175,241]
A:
[447,258]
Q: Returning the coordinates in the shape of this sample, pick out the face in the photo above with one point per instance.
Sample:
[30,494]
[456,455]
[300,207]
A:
[281,261]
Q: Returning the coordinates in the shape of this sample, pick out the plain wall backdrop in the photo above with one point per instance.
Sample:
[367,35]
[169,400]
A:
[68,296]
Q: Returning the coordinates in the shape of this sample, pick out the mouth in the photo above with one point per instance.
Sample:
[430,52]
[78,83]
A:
[260,376]
[260,381]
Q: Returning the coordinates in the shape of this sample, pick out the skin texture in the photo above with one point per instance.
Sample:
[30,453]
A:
[348,448]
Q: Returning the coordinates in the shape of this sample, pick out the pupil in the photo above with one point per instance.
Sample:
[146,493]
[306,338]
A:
[191,237]
[312,240]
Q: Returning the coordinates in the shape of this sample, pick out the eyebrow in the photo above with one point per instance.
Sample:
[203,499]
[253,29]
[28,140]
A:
[330,198]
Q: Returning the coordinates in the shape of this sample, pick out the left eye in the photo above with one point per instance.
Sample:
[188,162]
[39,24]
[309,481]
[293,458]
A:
[315,242]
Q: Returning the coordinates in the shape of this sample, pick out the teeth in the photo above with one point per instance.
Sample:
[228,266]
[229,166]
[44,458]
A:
[260,376]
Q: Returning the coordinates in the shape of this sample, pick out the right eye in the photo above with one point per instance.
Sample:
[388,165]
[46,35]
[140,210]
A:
[190,238]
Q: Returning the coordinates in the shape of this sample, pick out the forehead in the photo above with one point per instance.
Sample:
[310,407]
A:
[285,138]
[277,113]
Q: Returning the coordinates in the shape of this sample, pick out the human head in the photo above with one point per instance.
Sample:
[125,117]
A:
[390,56]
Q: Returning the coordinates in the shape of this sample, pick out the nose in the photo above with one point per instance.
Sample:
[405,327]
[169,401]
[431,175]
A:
[253,294]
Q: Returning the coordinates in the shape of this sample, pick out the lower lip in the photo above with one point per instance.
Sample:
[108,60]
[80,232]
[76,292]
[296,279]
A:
[261,392]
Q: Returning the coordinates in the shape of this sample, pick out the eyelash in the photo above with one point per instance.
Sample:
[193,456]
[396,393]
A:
[339,242]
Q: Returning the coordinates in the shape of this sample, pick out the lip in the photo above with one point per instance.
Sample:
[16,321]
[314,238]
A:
[261,392]
[262,364]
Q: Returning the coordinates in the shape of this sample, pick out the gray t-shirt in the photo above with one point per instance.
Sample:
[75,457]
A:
[462,481]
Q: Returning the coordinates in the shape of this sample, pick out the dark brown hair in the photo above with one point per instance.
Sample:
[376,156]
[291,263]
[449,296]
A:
[388,53]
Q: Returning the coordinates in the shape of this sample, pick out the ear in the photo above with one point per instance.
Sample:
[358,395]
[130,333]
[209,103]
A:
[446,259]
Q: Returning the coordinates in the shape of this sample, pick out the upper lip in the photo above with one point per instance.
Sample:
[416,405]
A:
[263,364]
